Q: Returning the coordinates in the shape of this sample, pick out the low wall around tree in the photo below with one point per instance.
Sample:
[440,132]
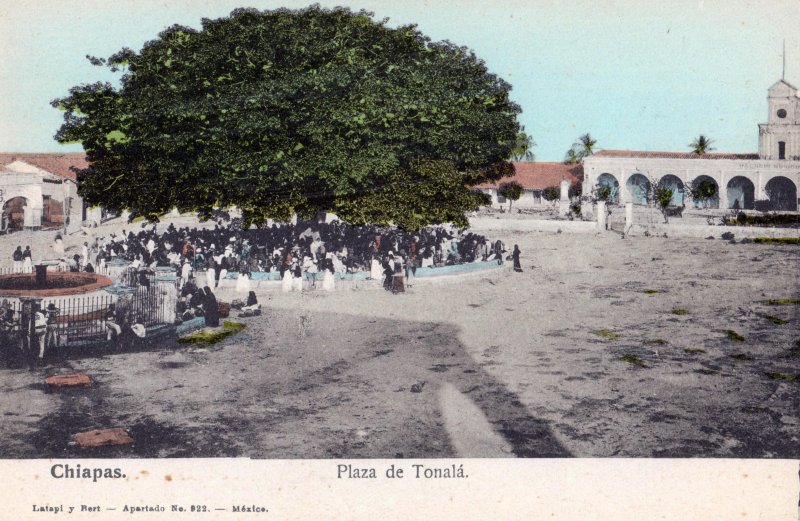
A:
[478,224]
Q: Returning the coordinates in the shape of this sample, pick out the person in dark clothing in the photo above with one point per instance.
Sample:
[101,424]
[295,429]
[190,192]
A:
[251,299]
[210,307]
[515,256]
[398,276]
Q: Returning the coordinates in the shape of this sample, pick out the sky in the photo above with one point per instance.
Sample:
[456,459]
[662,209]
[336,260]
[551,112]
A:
[638,75]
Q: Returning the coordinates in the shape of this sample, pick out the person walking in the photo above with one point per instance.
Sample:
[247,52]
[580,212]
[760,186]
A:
[515,255]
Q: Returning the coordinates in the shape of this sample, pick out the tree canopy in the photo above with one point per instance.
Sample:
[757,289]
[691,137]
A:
[294,111]
[511,190]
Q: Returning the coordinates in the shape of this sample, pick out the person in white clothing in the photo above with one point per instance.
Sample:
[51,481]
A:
[328,283]
[286,281]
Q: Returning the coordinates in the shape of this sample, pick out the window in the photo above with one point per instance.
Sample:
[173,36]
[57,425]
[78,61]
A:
[781,150]
[500,199]
[781,113]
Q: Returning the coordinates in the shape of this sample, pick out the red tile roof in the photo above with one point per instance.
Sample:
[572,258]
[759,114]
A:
[537,176]
[60,164]
[673,155]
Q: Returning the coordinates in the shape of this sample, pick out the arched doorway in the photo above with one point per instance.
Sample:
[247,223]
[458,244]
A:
[741,193]
[782,194]
[14,213]
[639,188]
[705,192]
[673,182]
[609,184]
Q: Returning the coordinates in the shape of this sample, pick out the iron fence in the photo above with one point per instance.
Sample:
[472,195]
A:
[84,320]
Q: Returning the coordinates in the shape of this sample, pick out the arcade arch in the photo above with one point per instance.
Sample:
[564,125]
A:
[14,213]
[610,182]
[741,193]
[639,188]
[782,194]
[705,192]
[678,191]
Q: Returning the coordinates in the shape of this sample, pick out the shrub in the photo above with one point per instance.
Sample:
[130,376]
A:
[551,193]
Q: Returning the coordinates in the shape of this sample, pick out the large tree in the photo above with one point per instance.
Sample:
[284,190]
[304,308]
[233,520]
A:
[294,111]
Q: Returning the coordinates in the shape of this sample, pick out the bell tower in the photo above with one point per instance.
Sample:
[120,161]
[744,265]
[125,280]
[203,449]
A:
[779,138]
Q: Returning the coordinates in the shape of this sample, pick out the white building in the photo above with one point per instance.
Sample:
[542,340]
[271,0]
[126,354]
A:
[534,177]
[767,180]
[41,191]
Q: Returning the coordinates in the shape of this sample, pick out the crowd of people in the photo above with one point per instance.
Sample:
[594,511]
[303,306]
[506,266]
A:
[305,254]
[302,255]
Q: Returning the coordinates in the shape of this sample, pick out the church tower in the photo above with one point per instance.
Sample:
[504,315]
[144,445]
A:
[779,138]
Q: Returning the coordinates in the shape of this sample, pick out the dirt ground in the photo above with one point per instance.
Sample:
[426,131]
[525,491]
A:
[602,347]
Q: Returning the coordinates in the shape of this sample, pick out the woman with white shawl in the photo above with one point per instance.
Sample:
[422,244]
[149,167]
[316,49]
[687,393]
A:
[327,277]
[376,270]
[286,281]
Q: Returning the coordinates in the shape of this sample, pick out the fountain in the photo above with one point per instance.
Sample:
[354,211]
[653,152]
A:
[44,283]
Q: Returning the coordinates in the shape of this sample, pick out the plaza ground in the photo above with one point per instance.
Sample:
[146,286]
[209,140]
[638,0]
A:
[602,347]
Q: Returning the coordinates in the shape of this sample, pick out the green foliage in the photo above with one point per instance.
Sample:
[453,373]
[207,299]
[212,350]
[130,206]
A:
[680,312]
[633,360]
[703,189]
[701,145]
[663,196]
[604,193]
[690,351]
[523,147]
[771,219]
[656,342]
[551,193]
[787,377]
[783,301]
[581,149]
[777,240]
[607,334]
[294,111]
[776,320]
[652,291]
[212,336]
[733,335]
[511,191]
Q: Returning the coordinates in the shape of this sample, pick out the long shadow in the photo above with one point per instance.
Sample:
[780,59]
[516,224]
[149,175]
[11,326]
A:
[300,395]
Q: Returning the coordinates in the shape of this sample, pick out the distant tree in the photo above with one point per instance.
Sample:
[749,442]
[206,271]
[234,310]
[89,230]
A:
[701,145]
[602,193]
[581,149]
[575,190]
[662,197]
[294,112]
[511,191]
[523,147]
[551,193]
[702,190]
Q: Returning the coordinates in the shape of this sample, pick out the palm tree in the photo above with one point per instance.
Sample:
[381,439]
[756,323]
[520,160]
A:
[701,145]
[580,150]
[586,144]
[573,157]
[523,147]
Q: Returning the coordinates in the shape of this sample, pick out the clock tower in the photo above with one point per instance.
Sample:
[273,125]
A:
[779,138]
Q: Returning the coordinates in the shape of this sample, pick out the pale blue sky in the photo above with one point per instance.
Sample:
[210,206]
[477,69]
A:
[636,74]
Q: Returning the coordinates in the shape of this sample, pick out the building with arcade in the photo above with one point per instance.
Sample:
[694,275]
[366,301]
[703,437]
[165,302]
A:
[767,180]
